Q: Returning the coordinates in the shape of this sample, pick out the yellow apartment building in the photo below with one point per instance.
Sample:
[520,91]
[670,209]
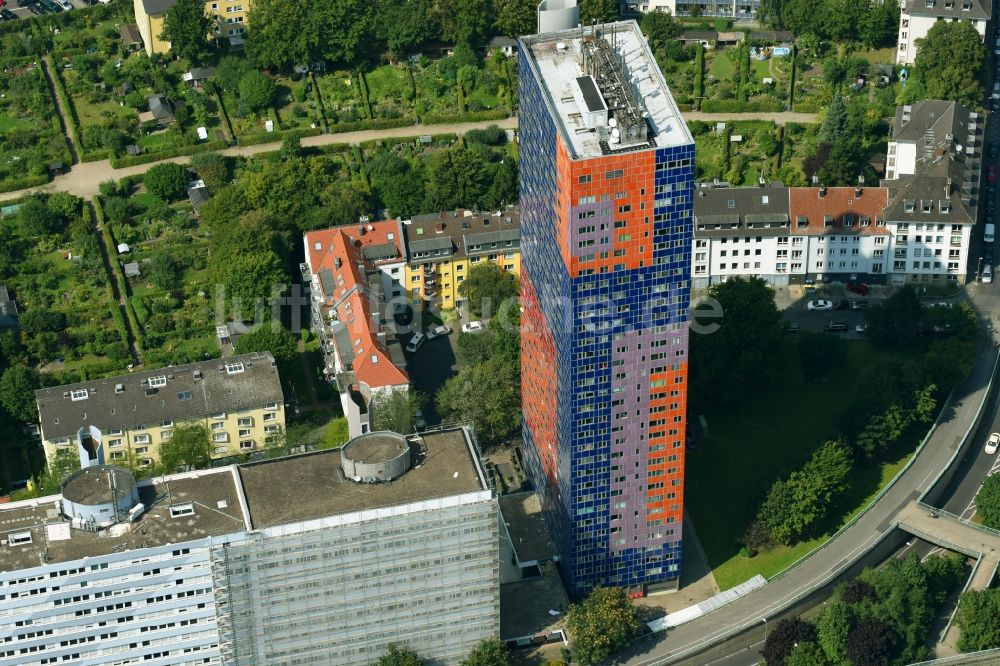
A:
[238,398]
[230,20]
[442,247]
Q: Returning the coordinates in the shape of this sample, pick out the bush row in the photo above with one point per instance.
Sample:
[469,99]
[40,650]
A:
[116,270]
[806,107]
[277,137]
[11,184]
[467,117]
[736,106]
[378,123]
[146,158]
[67,104]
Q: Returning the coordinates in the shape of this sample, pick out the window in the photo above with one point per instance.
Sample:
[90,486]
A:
[157,382]
[142,439]
[142,449]
[180,510]
[244,421]
[184,395]
[618,173]
[220,437]
[245,432]
[218,417]
[79,394]
[246,444]
[218,425]
[234,368]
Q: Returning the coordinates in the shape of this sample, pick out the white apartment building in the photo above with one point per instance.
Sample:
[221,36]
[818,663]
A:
[321,558]
[735,9]
[933,171]
[916,17]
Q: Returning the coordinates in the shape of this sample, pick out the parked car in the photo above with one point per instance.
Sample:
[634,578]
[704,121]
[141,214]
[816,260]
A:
[7,15]
[419,421]
[793,327]
[836,327]
[819,305]
[991,173]
[993,443]
[861,328]
[473,327]
[842,304]
[988,256]
[858,288]
[859,305]
[810,292]
[438,332]
[994,150]
[416,342]
[987,275]
[65,4]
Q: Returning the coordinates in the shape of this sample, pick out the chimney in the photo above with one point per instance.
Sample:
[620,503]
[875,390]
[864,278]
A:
[815,180]
[857,188]
[822,191]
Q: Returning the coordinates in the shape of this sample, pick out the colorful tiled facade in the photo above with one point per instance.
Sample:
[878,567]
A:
[606,237]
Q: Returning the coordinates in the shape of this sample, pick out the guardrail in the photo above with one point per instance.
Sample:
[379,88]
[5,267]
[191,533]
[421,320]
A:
[930,537]
[984,656]
[965,588]
[959,519]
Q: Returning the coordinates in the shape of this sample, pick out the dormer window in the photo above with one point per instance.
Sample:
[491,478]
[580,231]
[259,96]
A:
[864,220]
[909,205]
[930,4]
[945,206]
[928,206]
[966,6]
[731,203]
[802,220]
[157,382]
[879,222]
[79,394]
[234,368]
[848,220]
[828,221]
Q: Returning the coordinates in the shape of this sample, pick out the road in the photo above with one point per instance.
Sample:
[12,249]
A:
[84,178]
[827,563]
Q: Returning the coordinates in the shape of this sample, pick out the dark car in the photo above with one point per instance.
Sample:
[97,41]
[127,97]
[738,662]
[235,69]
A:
[859,305]
[988,256]
[994,150]
[7,15]
[858,288]
[836,327]
[842,304]
[793,327]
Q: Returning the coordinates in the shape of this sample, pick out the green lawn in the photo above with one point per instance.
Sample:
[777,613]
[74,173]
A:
[770,434]
[9,123]
[760,69]
[721,67]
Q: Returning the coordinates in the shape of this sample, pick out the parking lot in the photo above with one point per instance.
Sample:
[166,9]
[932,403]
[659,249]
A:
[796,309]
[22,9]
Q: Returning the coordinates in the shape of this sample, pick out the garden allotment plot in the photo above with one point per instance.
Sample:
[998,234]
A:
[30,135]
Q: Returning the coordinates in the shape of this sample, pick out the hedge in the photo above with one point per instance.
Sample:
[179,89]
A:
[736,106]
[95,155]
[699,74]
[116,271]
[378,123]
[11,184]
[146,158]
[806,107]
[277,137]
[74,131]
[467,117]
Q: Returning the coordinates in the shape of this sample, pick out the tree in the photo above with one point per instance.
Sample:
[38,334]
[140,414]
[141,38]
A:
[489,652]
[189,448]
[987,501]
[896,321]
[486,395]
[164,271]
[213,168]
[601,625]
[782,638]
[395,410]
[185,27]
[515,17]
[659,28]
[168,181]
[487,287]
[806,653]
[979,619]
[456,177]
[57,470]
[884,430]
[17,392]
[879,24]
[948,62]
[256,91]
[399,656]
[228,73]
[271,337]
[601,11]
[40,320]
[249,279]
[317,30]
[872,642]
[746,353]
[834,127]
[474,348]
[465,22]
[832,628]
[405,25]
[819,354]
[35,218]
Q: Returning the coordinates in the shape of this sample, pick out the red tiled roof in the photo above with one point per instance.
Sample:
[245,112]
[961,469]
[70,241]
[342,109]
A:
[339,250]
[837,203]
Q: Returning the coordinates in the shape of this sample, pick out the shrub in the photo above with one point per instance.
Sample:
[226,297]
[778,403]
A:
[167,181]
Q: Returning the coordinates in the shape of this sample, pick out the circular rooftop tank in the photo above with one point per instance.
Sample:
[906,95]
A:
[375,456]
[99,494]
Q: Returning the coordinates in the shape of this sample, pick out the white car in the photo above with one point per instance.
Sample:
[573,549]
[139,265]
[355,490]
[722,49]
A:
[861,328]
[438,332]
[819,305]
[993,443]
[416,341]
[473,327]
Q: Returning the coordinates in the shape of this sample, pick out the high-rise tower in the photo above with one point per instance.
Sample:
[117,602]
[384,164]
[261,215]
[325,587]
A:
[606,208]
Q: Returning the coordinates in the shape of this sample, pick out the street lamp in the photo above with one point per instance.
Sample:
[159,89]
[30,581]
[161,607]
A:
[765,628]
